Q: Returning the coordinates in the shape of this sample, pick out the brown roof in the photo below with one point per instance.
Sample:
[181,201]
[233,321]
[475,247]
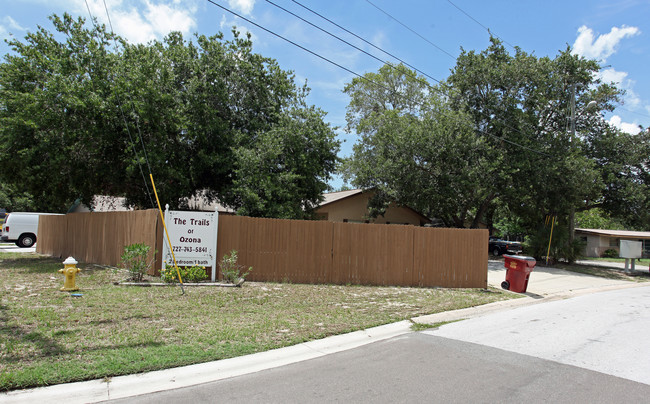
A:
[616,233]
[337,196]
[332,197]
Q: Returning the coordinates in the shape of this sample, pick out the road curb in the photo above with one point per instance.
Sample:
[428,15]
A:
[168,379]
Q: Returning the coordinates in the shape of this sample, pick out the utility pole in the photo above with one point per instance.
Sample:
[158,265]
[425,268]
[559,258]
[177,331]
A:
[572,211]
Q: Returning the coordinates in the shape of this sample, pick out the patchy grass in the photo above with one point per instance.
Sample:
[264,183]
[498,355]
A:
[609,273]
[424,326]
[49,337]
[644,261]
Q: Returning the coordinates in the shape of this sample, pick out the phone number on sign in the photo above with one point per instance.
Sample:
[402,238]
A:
[190,249]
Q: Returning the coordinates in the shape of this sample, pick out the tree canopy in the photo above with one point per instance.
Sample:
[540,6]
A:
[80,116]
[497,137]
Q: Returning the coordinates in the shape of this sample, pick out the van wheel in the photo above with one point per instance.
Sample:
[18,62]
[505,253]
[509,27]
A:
[496,252]
[26,240]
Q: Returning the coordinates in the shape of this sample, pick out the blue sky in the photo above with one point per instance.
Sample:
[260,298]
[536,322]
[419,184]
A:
[426,34]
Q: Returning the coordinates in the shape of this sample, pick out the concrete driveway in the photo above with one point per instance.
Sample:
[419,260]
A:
[547,281]
[11,247]
[544,285]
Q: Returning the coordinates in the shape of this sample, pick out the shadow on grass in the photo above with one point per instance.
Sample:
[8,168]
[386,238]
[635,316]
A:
[32,264]
[44,346]
[40,346]
[112,321]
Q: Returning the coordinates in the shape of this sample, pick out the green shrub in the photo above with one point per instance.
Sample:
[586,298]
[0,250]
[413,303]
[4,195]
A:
[231,270]
[134,260]
[610,253]
[191,274]
[561,248]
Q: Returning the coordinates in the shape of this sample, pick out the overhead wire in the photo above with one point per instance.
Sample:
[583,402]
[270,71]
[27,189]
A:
[341,39]
[364,77]
[365,41]
[297,45]
[412,30]
[514,47]
[479,23]
[119,104]
[148,165]
[137,125]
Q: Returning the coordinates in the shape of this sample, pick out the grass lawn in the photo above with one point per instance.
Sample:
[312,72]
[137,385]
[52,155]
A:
[641,273]
[643,261]
[49,337]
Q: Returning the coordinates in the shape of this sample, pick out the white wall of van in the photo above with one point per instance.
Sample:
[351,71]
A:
[22,228]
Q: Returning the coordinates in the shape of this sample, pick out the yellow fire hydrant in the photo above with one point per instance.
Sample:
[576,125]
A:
[70,271]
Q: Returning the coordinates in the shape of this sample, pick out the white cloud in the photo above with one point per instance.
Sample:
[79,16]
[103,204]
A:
[617,122]
[243,6]
[164,18]
[145,20]
[610,75]
[602,47]
[12,24]
[9,26]
[605,45]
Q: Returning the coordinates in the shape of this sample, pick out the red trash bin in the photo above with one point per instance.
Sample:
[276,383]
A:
[518,269]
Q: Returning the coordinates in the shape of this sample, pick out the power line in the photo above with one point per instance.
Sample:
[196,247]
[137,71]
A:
[298,46]
[119,104]
[364,40]
[476,21]
[343,40]
[137,125]
[634,112]
[365,78]
[412,30]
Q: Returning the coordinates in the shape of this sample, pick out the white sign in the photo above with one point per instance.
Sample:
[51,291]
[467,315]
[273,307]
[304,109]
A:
[193,237]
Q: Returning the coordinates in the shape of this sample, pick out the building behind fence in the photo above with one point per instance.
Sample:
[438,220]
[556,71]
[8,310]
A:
[291,250]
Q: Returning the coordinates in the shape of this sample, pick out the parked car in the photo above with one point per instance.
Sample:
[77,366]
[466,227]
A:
[498,247]
[22,228]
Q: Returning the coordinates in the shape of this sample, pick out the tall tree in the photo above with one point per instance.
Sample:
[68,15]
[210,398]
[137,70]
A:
[85,118]
[498,132]
[413,149]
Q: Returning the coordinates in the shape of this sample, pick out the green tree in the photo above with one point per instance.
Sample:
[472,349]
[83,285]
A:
[12,201]
[596,218]
[496,137]
[79,115]
[53,99]
[624,162]
[413,149]
[520,104]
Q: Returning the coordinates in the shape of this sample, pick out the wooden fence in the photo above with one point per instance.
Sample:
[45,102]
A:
[368,254]
[296,251]
[100,237]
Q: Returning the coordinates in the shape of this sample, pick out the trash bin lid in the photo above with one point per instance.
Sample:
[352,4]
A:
[519,257]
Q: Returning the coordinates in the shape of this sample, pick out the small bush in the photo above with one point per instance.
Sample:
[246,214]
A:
[610,253]
[191,274]
[134,260]
[537,244]
[231,270]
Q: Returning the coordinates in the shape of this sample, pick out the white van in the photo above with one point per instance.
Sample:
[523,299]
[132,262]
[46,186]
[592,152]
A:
[21,228]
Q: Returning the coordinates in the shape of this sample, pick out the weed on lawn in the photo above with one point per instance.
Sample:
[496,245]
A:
[50,337]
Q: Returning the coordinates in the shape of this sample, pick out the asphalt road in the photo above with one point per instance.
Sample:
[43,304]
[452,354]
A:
[587,349]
